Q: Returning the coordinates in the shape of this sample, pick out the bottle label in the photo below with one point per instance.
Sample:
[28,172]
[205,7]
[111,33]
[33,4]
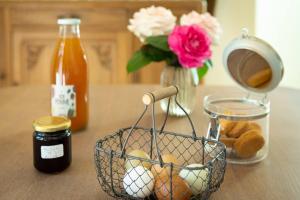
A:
[53,151]
[63,101]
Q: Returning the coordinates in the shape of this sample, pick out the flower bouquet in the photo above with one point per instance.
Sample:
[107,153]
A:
[185,47]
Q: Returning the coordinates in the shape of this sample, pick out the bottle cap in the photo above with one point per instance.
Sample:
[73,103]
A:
[68,21]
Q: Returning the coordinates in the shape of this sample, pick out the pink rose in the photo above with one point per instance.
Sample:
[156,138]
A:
[191,44]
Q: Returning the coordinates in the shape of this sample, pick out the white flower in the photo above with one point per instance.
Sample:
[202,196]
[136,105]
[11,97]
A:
[206,21]
[152,21]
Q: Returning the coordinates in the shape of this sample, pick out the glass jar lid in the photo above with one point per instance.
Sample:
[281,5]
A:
[51,124]
[236,106]
[253,63]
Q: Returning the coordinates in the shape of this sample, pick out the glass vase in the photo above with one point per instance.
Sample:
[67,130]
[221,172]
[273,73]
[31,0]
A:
[186,80]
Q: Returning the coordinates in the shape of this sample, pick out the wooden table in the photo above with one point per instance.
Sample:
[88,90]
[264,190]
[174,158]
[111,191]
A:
[113,107]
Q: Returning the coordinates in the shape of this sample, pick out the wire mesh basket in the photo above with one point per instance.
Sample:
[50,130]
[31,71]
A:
[150,163]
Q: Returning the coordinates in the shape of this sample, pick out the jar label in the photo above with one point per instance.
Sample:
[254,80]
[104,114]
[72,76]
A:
[63,101]
[53,151]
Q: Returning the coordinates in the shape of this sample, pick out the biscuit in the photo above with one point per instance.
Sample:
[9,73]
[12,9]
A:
[226,126]
[239,128]
[248,144]
[254,126]
[229,142]
[260,78]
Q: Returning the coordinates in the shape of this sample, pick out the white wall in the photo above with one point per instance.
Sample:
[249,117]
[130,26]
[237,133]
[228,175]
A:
[278,22]
[233,16]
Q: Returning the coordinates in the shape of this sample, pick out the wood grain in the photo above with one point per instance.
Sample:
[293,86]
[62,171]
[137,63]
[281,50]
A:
[277,177]
[2,61]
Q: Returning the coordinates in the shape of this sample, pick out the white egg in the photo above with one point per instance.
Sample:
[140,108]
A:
[211,149]
[138,182]
[196,179]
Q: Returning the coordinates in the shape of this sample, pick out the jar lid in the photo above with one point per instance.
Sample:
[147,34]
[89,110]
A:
[253,63]
[51,124]
[235,107]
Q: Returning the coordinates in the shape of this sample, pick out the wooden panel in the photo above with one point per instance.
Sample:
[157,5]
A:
[2,57]
[107,4]
[33,53]
[108,19]
[107,55]
[5,46]
[124,41]
[106,40]
[101,55]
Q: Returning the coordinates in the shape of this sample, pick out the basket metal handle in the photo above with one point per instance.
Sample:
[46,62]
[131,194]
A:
[213,132]
[152,97]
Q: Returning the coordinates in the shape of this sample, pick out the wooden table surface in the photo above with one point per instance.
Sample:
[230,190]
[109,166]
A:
[113,107]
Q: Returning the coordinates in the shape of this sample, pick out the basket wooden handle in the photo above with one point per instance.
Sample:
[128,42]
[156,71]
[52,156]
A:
[157,95]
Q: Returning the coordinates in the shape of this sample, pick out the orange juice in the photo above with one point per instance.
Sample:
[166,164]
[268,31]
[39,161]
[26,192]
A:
[69,76]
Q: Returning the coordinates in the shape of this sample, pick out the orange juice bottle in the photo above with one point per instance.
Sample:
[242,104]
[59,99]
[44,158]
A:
[69,94]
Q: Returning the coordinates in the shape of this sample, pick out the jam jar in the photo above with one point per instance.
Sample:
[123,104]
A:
[52,150]
[241,119]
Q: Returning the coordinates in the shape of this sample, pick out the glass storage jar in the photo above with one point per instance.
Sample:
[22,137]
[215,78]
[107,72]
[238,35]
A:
[241,120]
[244,125]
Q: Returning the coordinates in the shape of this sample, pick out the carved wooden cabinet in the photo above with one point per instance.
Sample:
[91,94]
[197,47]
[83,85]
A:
[28,34]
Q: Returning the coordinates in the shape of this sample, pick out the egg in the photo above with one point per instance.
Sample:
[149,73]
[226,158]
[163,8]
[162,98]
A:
[180,190]
[211,149]
[196,179]
[138,182]
[130,162]
[165,171]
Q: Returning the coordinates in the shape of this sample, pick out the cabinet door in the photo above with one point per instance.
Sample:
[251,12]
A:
[4,47]
[107,43]
[107,54]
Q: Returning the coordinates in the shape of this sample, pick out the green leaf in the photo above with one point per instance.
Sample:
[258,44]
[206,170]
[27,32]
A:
[172,60]
[137,61]
[160,42]
[155,54]
[209,63]
[203,70]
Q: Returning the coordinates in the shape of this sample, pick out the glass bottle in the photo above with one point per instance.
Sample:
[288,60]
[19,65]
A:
[69,76]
